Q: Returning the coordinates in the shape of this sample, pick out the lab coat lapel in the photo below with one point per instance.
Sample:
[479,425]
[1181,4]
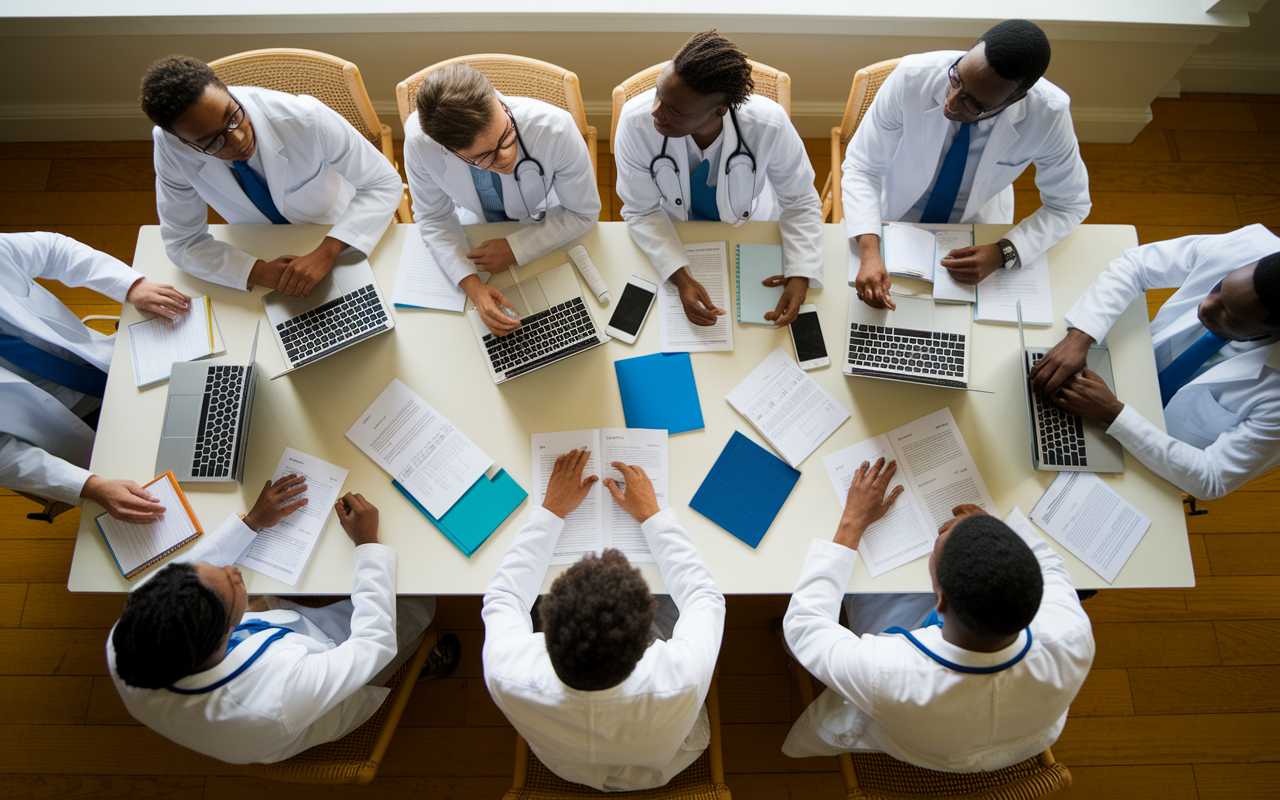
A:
[275,164]
[457,174]
[1003,137]
[216,175]
[1244,367]
[728,143]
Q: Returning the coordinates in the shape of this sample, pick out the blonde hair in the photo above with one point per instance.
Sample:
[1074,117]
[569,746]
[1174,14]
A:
[455,105]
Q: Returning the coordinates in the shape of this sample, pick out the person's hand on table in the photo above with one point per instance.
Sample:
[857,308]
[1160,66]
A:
[268,273]
[960,512]
[693,296]
[793,294]
[303,273]
[1058,366]
[567,487]
[158,298]
[639,500]
[124,500]
[494,255]
[969,265]
[489,303]
[276,501]
[872,283]
[358,517]
[1087,395]
[866,501]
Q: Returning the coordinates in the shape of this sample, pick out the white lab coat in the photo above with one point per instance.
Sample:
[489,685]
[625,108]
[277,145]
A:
[445,197]
[319,169]
[891,160]
[307,688]
[783,186]
[44,447]
[885,695]
[638,734]
[1223,426]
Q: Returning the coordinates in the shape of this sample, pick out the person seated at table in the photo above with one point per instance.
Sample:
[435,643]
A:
[701,146]
[474,155]
[605,694]
[1216,356]
[194,664]
[259,157]
[943,141]
[982,670]
[53,370]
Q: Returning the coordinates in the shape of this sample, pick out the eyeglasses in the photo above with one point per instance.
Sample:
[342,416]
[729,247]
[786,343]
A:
[486,160]
[970,104]
[237,119]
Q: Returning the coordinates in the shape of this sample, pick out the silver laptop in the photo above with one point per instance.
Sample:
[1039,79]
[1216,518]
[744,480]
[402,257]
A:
[1062,442]
[206,420]
[920,342]
[344,308]
[555,323]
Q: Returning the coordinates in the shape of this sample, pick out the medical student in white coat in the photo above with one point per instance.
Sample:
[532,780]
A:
[701,146]
[600,701]
[944,140]
[259,157]
[1216,356]
[473,155]
[53,370]
[191,663]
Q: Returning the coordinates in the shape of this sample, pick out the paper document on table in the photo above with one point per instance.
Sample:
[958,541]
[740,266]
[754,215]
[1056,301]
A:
[599,522]
[916,251]
[137,546]
[709,266]
[1096,525]
[791,411]
[284,550]
[999,294]
[156,344]
[420,281]
[421,449]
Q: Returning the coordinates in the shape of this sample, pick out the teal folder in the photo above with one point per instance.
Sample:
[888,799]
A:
[754,263]
[478,513]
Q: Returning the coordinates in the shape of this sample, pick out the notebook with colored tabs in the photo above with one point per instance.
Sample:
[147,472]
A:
[745,489]
[658,391]
[136,547]
[469,522]
[755,263]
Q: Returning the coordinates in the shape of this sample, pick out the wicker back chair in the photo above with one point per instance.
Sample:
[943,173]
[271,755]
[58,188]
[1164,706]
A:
[331,80]
[356,757]
[516,76]
[866,82]
[701,780]
[879,776]
[769,82]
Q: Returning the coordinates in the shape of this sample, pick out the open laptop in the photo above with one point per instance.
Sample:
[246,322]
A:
[555,323]
[920,342]
[206,421]
[345,307]
[1062,442]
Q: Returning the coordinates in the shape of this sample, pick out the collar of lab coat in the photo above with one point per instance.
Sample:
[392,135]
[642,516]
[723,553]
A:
[931,638]
[1244,367]
[1004,135]
[234,660]
[274,163]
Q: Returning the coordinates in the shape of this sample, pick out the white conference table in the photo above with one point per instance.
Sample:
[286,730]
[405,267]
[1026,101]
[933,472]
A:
[435,354]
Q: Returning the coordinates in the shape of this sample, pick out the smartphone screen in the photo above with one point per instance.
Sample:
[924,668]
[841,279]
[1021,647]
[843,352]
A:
[631,309]
[807,337]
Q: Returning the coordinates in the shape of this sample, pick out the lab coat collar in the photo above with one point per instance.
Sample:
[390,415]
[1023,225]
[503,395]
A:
[932,638]
[1244,367]
[234,660]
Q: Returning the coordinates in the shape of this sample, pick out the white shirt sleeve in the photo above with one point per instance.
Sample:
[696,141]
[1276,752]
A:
[868,157]
[1063,181]
[515,583]
[57,257]
[27,468]
[800,209]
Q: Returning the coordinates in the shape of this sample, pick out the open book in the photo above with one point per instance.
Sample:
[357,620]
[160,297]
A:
[600,523]
[912,251]
[938,473]
[136,547]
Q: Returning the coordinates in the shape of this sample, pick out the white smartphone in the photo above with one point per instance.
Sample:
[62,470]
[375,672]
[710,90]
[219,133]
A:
[806,338]
[632,309]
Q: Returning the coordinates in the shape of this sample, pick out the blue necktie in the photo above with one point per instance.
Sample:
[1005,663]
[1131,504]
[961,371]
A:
[1179,372]
[489,187]
[89,380]
[704,205]
[942,200]
[256,188]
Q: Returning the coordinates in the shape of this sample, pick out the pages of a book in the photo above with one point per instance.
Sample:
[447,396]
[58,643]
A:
[156,344]
[907,250]
[945,288]
[421,449]
[999,294]
[420,281]
[791,411]
[284,550]
[599,522]
[754,263]
[709,265]
[135,546]
[1096,525]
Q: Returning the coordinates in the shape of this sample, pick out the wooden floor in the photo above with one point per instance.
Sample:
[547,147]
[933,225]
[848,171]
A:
[1181,704]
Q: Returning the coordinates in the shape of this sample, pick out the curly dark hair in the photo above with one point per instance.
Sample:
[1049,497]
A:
[1266,282]
[170,626]
[710,64]
[172,85]
[455,105]
[990,577]
[1018,51]
[596,621]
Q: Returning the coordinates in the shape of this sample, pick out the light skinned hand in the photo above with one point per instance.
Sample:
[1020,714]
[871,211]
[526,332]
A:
[866,501]
[124,500]
[969,265]
[639,500]
[494,255]
[276,501]
[1066,360]
[489,303]
[960,512]
[873,283]
[693,296]
[1087,395]
[793,294]
[567,487]
[158,298]
[358,517]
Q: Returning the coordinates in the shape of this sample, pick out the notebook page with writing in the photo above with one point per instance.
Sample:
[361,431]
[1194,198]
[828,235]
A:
[157,343]
[908,251]
[998,295]
[134,546]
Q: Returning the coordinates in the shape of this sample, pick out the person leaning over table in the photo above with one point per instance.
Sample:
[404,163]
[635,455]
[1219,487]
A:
[258,156]
[943,141]
[605,694]
[1216,355]
[53,370]
[194,664]
[473,155]
[701,146]
[981,676]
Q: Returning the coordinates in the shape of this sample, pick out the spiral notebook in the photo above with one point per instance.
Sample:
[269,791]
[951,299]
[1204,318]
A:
[753,263]
[136,547]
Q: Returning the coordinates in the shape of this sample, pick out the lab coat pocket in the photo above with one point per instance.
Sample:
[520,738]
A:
[315,196]
[1197,418]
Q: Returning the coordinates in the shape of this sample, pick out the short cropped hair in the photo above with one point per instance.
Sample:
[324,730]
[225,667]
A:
[1018,51]
[596,620]
[172,85]
[455,105]
[990,577]
[170,626]
[710,64]
[1266,283]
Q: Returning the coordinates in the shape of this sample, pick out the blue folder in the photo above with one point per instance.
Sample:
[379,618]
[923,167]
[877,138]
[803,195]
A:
[659,392]
[478,513]
[745,489]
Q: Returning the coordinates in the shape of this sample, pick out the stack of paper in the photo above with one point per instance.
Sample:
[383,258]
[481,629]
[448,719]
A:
[658,392]
[999,294]
[1091,521]
[754,264]
[710,267]
[745,489]
[157,343]
[136,547]
[791,411]
[420,281]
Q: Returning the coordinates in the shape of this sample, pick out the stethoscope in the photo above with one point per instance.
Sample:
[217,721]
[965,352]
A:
[739,170]
[535,188]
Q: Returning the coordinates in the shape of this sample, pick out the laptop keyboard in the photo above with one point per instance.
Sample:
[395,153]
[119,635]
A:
[219,422]
[543,337]
[939,356]
[332,326]
[1061,434]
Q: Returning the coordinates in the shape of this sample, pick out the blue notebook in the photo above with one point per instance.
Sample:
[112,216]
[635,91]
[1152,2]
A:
[658,391]
[755,262]
[478,513]
[745,489]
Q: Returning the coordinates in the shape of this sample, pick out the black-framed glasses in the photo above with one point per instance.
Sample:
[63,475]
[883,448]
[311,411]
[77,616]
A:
[237,119]
[967,100]
[508,138]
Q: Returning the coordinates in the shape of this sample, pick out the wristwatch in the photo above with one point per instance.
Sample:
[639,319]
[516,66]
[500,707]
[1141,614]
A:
[1008,254]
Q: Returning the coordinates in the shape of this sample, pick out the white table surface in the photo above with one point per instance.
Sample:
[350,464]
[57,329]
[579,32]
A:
[435,354]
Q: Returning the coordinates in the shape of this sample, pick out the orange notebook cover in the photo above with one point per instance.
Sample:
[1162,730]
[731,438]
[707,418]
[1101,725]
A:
[136,547]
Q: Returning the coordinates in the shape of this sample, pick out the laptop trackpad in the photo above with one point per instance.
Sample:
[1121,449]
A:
[533,291]
[324,291]
[182,415]
[912,312]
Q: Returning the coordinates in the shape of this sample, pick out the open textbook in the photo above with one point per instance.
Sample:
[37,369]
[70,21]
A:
[600,523]
[915,251]
[938,473]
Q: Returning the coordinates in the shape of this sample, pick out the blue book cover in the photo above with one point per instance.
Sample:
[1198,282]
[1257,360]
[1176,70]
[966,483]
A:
[478,513]
[659,392]
[755,263]
[745,489]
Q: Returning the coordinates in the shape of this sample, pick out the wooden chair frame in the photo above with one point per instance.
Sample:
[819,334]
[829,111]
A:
[866,82]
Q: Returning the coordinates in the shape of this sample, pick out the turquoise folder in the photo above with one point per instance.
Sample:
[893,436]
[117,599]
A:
[755,262]
[478,513]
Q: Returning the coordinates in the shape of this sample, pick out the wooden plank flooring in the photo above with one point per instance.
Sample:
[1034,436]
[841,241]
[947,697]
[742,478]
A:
[1181,704]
